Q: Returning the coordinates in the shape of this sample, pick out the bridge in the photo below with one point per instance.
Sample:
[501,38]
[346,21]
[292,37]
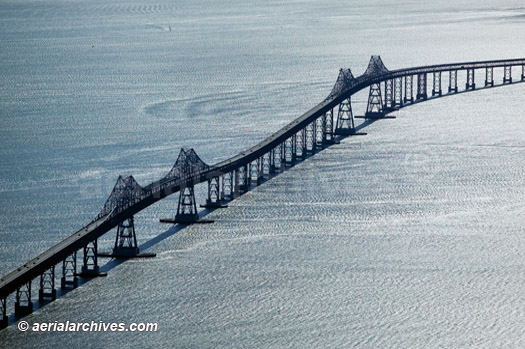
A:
[318,128]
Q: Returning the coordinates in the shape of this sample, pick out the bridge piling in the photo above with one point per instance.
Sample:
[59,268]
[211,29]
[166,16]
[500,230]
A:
[23,304]
[398,92]
[389,95]
[187,206]
[90,260]
[47,285]
[436,86]
[489,76]
[421,86]
[374,108]
[523,72]
[507,74]
[227,186]
[313,135]
[3,307]
[293,147]
[345,118]
[126,239]
[452,81]
[272,162]
[304,145]
[319,134]
[323,129]
[329,129]
[409,89]
[69,272]
[471,84]
[236,181]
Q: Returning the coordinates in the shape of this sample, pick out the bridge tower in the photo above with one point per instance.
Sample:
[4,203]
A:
[374,109]
[345,118]
[47,285]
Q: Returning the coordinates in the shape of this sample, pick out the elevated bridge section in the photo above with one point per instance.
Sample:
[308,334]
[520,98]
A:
[314,130]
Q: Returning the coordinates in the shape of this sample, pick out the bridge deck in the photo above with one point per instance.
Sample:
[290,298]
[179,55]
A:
[158,190]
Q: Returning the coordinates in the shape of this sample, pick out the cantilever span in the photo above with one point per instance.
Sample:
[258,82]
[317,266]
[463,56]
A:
[319,127]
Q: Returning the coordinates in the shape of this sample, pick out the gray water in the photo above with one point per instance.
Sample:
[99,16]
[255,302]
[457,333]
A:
[409,237]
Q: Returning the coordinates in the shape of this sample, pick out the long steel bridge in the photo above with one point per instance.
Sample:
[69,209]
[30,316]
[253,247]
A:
[319,127]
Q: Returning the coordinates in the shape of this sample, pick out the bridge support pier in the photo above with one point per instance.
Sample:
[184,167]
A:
[271,155]
[345,124]
[329,129]
[374,109]
[3,316]
[69,272]
[265,161]
[489,76]
[310,138]
[23,304]
[228,186]
[398,92]
[47,285]
[421,86]
[90,266]
[255,171]
[319,132]
[313,134]
[471,84]
[293,148]
[523,72]
[323,129]
[507,74]
[452,81]
[282,156]
[215,197]
[409,89]
[126,239]
[243,179]
[304,146]
[187,207]
[436,86]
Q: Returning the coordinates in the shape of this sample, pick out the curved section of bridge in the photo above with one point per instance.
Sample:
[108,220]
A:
[316,129]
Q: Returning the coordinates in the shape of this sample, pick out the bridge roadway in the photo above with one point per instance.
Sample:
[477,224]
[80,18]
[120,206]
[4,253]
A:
[160,189]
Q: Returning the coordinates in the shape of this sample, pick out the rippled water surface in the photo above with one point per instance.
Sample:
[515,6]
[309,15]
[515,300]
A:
[411,236]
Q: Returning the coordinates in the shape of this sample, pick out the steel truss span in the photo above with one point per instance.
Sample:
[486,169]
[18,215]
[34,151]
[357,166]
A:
[316,129]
